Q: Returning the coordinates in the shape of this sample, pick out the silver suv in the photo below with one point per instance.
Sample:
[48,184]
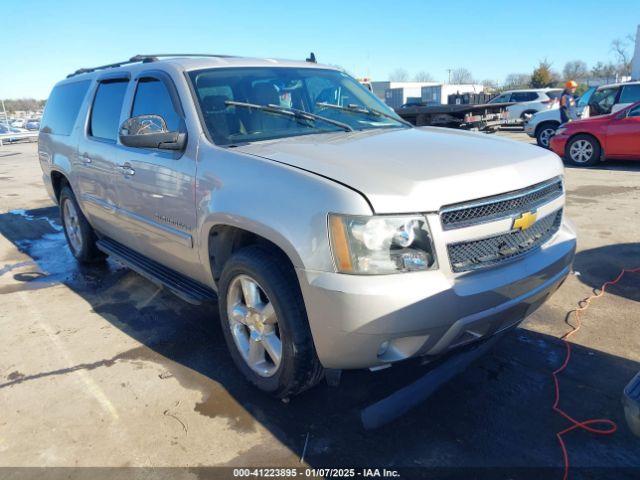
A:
[332,234]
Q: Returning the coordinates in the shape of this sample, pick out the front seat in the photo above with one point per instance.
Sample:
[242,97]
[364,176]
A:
[265,94]
[221,119]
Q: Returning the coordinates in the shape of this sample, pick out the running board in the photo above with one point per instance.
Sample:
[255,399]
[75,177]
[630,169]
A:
[182,286]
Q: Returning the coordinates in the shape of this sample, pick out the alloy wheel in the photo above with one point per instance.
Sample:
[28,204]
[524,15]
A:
[72,225]
[254,325]
[581,151]
[545,136]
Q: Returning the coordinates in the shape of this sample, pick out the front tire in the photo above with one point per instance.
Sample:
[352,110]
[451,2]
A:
[544,134]
[80,236]
[582,151]
[265,324]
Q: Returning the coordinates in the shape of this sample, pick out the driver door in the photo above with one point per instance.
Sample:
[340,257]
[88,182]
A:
[156,187]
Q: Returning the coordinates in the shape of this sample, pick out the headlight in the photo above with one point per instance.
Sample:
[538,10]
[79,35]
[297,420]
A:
[560,130]
[371,245]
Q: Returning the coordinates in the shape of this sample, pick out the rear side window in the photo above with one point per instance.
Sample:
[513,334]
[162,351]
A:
[63,106]
[554,94]
[105,114]
[630,94]
[152,98]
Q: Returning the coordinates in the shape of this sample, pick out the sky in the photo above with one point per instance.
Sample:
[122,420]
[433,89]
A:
[45,40]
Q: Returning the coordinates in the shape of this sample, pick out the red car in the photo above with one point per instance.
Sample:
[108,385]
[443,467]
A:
[586,142]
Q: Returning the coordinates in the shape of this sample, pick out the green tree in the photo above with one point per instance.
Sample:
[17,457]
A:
[543,76]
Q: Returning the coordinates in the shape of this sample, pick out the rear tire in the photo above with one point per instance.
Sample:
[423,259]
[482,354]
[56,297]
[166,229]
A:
[582,151]
[544,133]
[255,280]
[81,237]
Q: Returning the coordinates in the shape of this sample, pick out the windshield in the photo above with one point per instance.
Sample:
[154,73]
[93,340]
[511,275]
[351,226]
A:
[336,101]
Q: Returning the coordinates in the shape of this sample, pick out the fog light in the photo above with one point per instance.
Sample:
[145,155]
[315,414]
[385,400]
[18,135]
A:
[384,346]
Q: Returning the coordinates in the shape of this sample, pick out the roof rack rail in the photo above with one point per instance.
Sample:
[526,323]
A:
[145,59]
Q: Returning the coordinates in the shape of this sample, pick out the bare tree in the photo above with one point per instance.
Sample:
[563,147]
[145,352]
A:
[461,76]
[575,70]
[422,76]
[606,72]
[517,80]
[399,75]
[490,84]
[621,52]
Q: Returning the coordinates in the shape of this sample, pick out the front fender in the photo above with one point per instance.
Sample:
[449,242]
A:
[283,204]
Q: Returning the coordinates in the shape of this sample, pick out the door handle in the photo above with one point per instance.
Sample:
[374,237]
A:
[126,169]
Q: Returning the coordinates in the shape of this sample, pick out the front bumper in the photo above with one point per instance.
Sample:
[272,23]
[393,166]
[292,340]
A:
[353,317]
[558,143]
[530,129]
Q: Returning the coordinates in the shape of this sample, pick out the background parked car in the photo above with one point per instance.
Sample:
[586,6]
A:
[543,125]
[32,124]
[586,142]
[613,98]
[528,102]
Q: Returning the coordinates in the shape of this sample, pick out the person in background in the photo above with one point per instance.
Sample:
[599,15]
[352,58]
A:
[568,102]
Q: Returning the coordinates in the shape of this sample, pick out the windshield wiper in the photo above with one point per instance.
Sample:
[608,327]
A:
[292,112]
[366,110]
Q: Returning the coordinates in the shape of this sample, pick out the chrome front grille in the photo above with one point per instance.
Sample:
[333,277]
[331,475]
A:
[490,251]
[500,206]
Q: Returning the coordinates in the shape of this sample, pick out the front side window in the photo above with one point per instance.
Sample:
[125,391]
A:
[630,94]
[252,104]
[105,113]
[63,106]
[634,112]
[152,98]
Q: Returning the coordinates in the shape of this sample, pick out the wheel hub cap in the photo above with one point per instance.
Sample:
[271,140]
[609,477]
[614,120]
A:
[254,325]
[581,151]
[72,225]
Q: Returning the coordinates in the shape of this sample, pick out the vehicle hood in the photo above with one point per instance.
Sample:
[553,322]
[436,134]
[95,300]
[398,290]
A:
[591,121]
[417,169]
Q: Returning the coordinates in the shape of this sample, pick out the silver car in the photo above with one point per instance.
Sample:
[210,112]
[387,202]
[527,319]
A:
[332,234]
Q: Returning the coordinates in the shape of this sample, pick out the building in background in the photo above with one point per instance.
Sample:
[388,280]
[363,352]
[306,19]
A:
[635,63]
[396,94]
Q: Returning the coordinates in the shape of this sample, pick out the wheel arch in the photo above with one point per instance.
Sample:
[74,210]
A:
[58,181]
[222,239]
[540,126]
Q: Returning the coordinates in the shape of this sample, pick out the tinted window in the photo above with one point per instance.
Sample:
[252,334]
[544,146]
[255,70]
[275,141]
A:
[555,94]
[62,107]
[634,112]
[524,96]
[504,98]
[152,98]
[105,114]
[630,94]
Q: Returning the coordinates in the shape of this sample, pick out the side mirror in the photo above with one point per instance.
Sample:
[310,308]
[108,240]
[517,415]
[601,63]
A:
[150,131]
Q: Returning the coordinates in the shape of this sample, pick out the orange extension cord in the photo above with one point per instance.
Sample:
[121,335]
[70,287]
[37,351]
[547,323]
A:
[608,427]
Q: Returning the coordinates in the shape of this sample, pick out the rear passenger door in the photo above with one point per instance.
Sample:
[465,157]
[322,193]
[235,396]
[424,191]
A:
[156,187]
[98,154]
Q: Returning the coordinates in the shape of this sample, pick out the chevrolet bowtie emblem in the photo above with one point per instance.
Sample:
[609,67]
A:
[524,221]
